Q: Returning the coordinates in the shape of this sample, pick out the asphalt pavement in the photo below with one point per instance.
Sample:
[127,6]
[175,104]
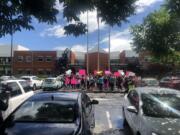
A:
[108,114]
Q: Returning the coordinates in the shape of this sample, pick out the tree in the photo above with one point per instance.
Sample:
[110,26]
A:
[112,12]
[159,34]
[173,6]
[20,13]
[16,15]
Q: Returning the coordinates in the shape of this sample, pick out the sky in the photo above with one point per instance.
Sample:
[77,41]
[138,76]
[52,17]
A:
[51,37]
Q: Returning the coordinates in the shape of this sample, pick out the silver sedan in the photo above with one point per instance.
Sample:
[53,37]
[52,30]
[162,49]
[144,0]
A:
[152,111]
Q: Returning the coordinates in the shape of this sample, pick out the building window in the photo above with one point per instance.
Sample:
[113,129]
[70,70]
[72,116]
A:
[20,58]
[20,71]
[28,71]
[48,59]
[28,59]
[48,71]
[40,58]
[1,60]
[40,71]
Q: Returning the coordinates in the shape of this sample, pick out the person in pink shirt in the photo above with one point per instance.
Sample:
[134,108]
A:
[73,81]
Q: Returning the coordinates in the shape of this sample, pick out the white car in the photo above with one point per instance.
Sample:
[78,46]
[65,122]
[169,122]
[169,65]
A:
[33,81]
[19,92]
[52,84]
[152,111]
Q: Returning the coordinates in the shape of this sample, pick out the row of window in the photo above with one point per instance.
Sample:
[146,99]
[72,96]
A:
[5,60]
[29,59]
[29,71]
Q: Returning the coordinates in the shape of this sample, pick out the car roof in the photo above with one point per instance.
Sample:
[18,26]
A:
[157,90]
[149,79]
[27,76]
[51,78]
[56,96]
[7,81]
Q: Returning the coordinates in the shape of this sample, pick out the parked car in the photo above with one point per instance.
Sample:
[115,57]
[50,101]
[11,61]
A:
[33,81]
[19,92]
[4,78]
[149,82]
[53,113]
[52,84]
[152,111]
[170,82]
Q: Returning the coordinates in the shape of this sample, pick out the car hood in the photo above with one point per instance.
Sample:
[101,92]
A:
[164,126]
[41,129]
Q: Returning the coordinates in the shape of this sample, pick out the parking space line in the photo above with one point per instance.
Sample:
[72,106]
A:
[108,118]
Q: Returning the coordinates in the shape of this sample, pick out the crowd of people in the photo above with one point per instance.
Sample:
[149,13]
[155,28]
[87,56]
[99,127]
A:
[101,82]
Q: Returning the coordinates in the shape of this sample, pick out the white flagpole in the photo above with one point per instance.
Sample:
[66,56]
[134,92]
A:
[98,38]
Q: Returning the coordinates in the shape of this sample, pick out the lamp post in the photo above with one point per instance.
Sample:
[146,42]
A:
[9,4]
[109,62]
[87,64]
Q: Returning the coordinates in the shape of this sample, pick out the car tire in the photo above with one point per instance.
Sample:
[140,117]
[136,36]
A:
[34,87]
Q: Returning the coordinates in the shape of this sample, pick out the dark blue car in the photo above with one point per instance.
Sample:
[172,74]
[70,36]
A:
[53,113]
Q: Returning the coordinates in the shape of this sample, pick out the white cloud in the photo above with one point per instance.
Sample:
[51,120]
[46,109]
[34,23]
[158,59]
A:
[56,31]
[120,44]
[143,4]
[76,48]
[92,20]
[119,41]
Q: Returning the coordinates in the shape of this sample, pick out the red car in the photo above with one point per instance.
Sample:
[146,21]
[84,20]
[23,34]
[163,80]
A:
[170,82]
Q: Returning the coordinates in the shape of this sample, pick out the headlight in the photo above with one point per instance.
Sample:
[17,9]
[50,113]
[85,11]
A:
[154,133]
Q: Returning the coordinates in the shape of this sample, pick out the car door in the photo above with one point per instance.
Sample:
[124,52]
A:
[27,90]
[37,81]
[133,100]
[88,114]
[15,99]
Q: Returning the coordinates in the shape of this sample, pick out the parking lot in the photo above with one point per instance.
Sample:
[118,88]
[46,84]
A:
[108,114]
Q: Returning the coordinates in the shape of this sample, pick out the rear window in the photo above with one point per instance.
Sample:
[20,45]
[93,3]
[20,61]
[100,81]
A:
[25,86]
[46,111]
[27,79]
[50,80]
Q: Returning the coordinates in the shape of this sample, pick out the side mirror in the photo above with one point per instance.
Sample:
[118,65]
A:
[132,109]
[94,102]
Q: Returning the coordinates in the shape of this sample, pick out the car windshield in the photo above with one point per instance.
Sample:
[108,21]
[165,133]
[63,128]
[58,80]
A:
[151,82]
[46,111]
[161,105]
[27,79]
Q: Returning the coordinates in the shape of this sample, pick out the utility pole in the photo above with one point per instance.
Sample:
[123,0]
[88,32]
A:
[9,4]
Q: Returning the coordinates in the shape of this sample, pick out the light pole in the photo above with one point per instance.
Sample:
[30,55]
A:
[87,64]
[109,63]
[9,4]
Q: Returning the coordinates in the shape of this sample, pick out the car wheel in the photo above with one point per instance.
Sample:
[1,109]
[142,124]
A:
[34,87]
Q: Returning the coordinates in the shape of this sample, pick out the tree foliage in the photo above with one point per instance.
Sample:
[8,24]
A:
[173,6]
[112,12]
[16,15]
[159,34]
[19,14]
